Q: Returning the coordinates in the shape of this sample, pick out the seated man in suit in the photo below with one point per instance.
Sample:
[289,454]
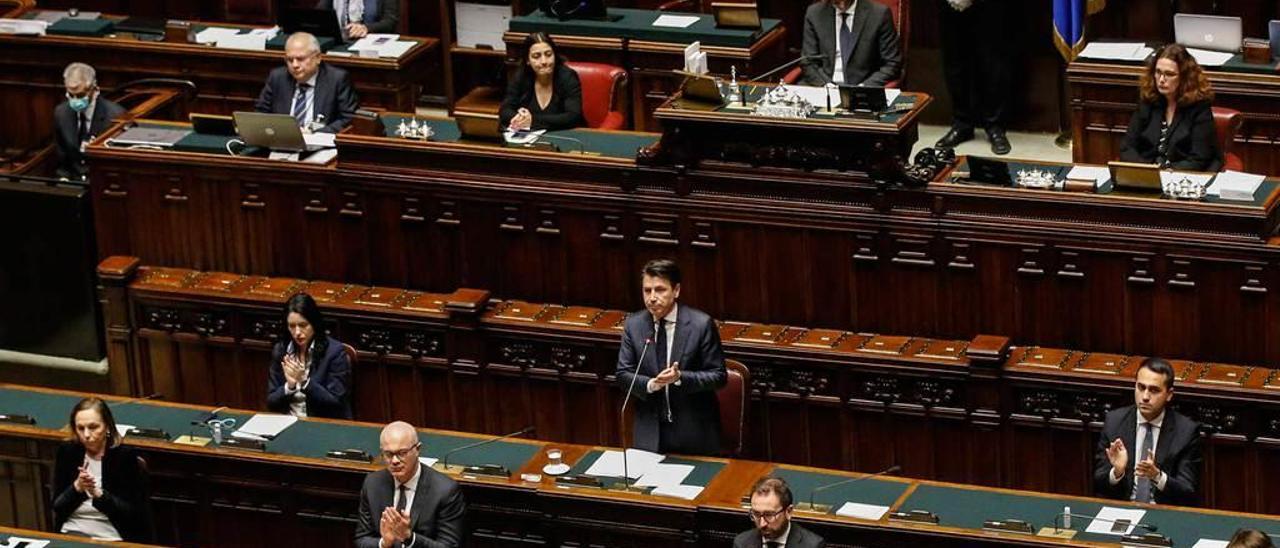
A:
[317,94]
[771,507]
[851,42]
[675,386]
[358,18]
[1147,452]
[80,118]
[408,504]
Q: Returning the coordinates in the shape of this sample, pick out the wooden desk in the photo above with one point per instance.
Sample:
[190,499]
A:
[55,540]
[972,411]
[228,80]
[226,496]
[1104,96]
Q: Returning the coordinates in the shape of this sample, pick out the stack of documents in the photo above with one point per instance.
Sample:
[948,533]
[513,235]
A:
[1234,185]
[1117,51]
[862,511]
[381,45]
[28,27]
[1208,58]
[1098,174]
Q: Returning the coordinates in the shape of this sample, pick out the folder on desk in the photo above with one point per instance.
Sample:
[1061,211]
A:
[82,27]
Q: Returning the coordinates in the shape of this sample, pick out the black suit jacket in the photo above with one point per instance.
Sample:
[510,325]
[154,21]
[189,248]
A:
[876,57]
[695,426]
[436,516]
[125,492]
[66,133]
[327,391]
[799,537]
[1193,139]
[564,111]
[335,99]
[1177,455]
[381,16]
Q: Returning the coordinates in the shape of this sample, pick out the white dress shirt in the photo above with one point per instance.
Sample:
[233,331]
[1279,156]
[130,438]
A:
[310,109]
[781,540]
[298,396]
[671,338]
[838,75]
[1139,453]
[88,520]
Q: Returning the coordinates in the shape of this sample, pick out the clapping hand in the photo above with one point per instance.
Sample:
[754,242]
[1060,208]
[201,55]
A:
[294,371]
[1147,467]
[669,375]
[523,120]
[1119,457]
[85,483]
[394,526]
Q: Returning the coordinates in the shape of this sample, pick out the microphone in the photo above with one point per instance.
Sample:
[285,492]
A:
[582,148]
[1121,524]
[826,508]
[622,414]
[787,65]
[488,469]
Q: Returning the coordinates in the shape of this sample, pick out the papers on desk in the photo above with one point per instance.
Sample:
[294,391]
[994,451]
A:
[266,33]
[686,492]
[1209,58]
[264,426]
[818,95]
[1098,174]
[251,42]
[23,542]
[428,461]
[1105,521]
[123,429]
[522,137]
[1116,51]
[211,35]
[321,157]
[381,45]
[319,139]
[25,27]
[1234,185]
[665,475]
[482,25]
[862,511]
[610,465]
[671,21]
[1207,543]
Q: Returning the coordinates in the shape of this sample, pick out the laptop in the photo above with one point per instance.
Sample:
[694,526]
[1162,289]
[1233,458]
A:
[271,131]
[319,22]
[1273,29]
[1133,176]
[149,136]
[478,126]
[1211,32]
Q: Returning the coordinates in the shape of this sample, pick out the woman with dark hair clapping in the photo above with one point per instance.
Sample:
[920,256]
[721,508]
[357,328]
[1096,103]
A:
[310,373]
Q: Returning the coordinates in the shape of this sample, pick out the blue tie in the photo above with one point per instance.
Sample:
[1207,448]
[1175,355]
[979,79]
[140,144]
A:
[846,41]
[300,105]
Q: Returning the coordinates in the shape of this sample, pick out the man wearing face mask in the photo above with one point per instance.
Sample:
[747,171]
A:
[79,119]
[675,385]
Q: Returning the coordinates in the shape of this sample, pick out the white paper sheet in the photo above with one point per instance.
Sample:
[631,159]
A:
[319,139]
[14,542]
[28,27]
[482,25]
[891,95]
[1207,543]
[817,95]
[213,34]
[1097,174]
[266,33]
[862,511]
[1116,51]
[1235,185]
[610,463]
[249,42]
[522,137]
[267,425]
[321,157]
[686,492]
[1108,515]
[123,429]
[428,461]
[665,475]
[668,20]
[1210,58]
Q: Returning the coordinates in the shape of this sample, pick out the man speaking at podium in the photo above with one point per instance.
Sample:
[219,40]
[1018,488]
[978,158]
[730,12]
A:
[681,367]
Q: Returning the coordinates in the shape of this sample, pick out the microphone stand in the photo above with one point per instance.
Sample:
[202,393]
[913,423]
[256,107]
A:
[811,507]
[622,417]
[1150,538]
[491,470]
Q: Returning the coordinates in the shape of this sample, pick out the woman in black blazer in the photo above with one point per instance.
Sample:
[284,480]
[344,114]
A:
[310,373]
[99,487]
[1173,126]
[546,94]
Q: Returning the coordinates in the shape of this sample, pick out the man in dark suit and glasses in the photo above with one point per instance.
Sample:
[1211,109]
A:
[771,508]
[80,118]
[408,504]
[676,410]
[317,94]
[855,41]
[1148,452]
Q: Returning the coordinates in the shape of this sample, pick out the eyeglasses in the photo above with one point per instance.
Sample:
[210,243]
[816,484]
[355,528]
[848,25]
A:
[401,454]
[1167,75]
[768,517]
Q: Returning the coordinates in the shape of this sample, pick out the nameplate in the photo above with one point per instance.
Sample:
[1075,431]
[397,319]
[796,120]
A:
[351,455]
[149,433]
[1008,526]
[486,471]
[915,516]
[16,419]
[586,482]
[240,443]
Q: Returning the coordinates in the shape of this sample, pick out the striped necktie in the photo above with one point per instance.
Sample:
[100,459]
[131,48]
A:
[300,104]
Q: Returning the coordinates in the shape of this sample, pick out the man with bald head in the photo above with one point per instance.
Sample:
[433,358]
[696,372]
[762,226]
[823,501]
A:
[408,504]
[317,95]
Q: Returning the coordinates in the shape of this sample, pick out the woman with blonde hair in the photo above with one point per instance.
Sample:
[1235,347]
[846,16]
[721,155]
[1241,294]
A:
[99,487]
[1173,126]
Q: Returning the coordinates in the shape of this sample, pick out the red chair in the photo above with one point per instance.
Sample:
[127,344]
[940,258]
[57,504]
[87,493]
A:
[1227,122]
[901,10]
[733,397]
[603,87]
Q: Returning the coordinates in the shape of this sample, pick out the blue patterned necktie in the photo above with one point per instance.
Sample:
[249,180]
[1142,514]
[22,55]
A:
[846,40]
[1142,485]
[300,104]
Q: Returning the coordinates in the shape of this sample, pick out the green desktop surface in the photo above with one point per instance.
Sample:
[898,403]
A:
[875,491]
[637,24]
[703,470]
[606,143]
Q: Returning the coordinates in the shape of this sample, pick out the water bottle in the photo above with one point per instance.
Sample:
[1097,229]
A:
[216,427]
[1066,517]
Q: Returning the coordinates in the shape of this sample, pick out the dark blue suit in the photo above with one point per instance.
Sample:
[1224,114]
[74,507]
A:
[1177,455]
[335,99]
[327,392]
[695,411]
[380,16]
